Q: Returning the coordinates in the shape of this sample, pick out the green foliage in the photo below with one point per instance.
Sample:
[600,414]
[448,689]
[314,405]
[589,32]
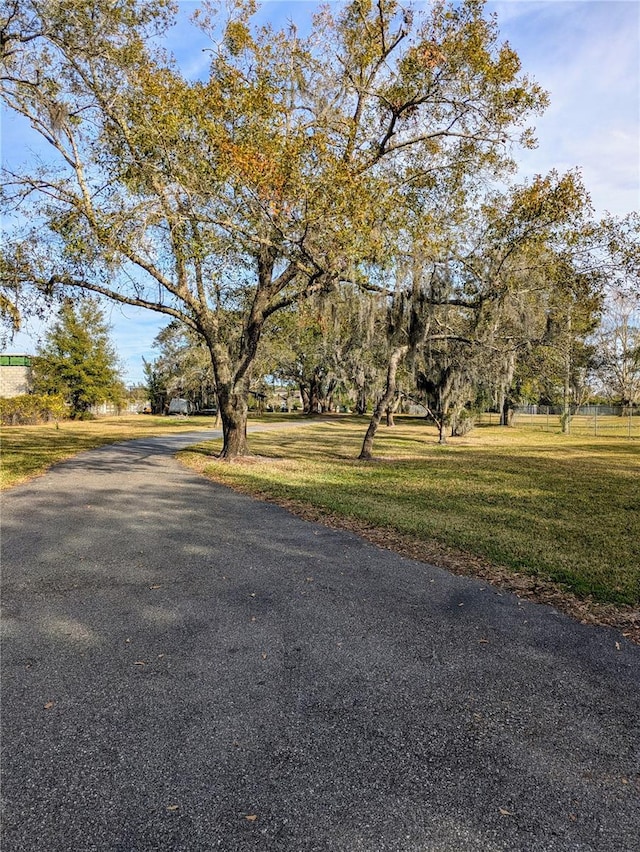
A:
[182,368]
[77,360]
[292,167]
[18,300]
[468,304]
[32,409]
[328,347]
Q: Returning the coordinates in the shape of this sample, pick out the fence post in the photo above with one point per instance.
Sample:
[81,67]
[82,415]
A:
[595,421]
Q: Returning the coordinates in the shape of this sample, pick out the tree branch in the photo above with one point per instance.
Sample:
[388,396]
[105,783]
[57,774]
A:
[137,301]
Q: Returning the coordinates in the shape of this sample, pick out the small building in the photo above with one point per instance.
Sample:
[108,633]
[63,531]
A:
[15,375]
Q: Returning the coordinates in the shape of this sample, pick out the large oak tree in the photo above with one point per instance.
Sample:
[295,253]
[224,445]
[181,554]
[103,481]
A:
[218,202]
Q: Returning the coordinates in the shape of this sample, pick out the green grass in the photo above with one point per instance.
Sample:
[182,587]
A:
[560,507]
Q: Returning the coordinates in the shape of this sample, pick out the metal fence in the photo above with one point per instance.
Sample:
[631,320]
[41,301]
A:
[597,420]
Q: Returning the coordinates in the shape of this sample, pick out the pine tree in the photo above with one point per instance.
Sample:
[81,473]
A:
[77,359]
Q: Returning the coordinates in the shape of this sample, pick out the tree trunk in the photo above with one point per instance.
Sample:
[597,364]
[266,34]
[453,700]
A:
[506,412]
[391,410]
[304,396]
[315,395]
[502,399]
[565,418]
[327,399]
[232,373]
[233,412]
[361,392]
[383,403]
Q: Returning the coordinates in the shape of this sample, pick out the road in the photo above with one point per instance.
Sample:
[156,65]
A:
[184,668]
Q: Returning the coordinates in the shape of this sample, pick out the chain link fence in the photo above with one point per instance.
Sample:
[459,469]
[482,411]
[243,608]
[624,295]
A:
[596,420]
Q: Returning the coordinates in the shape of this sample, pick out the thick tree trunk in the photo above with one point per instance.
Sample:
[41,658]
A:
[504,400]
[326,402]
[506,412]
[315,395]
[304,396]
[501,407]
[231,367]
[361,391]
[232,370]
[233,413]
[383,403]
[232,406]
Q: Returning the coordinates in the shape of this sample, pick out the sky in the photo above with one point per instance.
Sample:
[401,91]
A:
[585,53]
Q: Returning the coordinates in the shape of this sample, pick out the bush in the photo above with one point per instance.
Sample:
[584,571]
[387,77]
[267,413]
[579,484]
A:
[84,415]
[31,409]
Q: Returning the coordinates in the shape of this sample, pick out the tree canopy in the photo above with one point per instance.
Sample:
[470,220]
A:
[294,166]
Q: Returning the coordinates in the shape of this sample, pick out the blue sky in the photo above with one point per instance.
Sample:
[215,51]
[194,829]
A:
[586,53]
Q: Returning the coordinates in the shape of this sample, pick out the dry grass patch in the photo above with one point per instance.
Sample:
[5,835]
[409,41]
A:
[30,450]
[27,451]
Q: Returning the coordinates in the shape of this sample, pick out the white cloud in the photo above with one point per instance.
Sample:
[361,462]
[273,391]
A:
[587,55]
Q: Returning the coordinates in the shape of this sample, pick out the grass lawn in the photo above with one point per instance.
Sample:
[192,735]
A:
[30,450]
[546,514]
[557,508]
[26,451]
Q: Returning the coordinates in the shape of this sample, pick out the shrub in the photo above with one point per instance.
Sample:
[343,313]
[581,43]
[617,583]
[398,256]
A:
[31,409]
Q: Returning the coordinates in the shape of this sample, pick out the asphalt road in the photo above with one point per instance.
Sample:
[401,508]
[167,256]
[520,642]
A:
[184,668]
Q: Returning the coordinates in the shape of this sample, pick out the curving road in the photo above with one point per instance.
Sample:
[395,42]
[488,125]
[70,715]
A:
[184,668]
